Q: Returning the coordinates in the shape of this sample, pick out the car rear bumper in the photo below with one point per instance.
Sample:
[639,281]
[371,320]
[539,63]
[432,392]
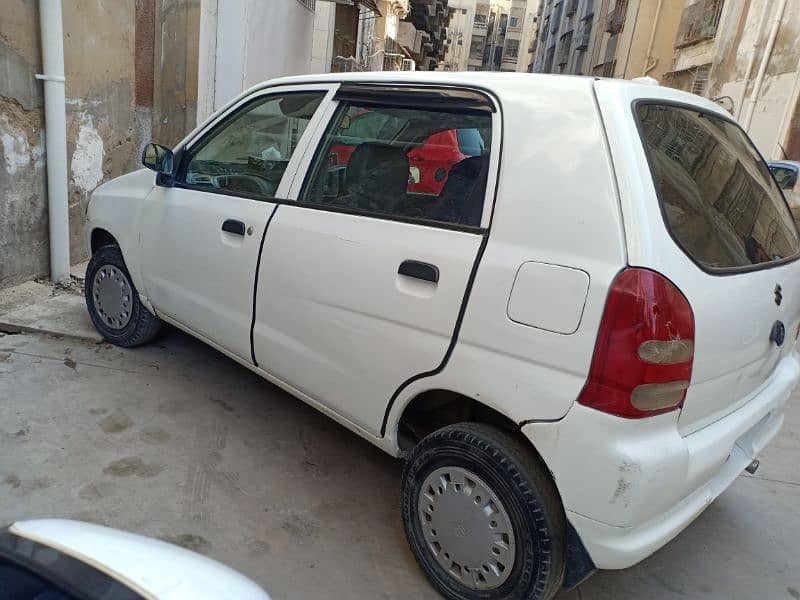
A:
[630,486]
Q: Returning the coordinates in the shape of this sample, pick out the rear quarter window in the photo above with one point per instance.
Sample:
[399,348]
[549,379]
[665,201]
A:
[719,201]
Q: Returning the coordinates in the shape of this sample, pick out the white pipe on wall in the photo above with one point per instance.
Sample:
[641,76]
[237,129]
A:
[762,68]
[751,61]
[55,136]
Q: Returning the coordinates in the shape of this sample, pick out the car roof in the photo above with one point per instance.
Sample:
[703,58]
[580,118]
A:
[494,81]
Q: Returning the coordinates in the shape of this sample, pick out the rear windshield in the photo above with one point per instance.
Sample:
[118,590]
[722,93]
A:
[718,198]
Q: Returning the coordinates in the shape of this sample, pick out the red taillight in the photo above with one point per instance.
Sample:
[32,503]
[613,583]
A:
[642,362]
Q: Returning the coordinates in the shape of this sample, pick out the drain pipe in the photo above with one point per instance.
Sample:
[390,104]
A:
[751,61]
[762,69]
[55,136]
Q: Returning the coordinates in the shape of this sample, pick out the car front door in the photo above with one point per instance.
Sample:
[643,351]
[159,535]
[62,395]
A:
[361,282]
[201,236]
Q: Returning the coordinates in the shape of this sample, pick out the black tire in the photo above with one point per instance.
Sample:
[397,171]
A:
[143,325]
[521,483]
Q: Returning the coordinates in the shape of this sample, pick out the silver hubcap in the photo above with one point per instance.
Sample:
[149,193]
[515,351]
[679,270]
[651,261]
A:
[466,528]
[111,293]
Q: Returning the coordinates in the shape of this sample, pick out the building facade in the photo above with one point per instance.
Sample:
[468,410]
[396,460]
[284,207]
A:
[490,35]
[607,38]
[379,35]
[742,53]
[747,56]
[130,77]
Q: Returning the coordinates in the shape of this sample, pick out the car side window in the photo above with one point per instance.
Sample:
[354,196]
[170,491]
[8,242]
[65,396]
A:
[404,163]
[786,178]
[249,152]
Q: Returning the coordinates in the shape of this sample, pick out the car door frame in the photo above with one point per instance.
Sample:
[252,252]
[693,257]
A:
[214,124]
[386,438]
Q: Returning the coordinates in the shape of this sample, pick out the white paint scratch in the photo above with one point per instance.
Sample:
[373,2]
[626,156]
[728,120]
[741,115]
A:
[87,159]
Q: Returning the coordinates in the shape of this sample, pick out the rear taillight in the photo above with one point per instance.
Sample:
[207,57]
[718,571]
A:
[642,362]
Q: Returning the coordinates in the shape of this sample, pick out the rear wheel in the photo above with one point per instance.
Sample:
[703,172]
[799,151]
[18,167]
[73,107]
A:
[113,302]
[482,516]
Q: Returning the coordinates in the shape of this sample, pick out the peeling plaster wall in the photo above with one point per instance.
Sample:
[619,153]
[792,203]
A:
[23,204]
[117,99]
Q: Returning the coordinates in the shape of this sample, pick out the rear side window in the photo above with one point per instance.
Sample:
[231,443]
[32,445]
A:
[719,201]
[403,163]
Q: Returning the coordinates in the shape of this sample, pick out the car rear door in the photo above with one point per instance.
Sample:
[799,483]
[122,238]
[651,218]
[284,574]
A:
[701,208]
[361,284]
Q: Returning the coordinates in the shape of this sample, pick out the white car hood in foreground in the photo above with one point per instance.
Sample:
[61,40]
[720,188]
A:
[153,568]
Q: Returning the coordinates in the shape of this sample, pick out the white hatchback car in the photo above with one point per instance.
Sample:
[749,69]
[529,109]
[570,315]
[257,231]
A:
[570,304]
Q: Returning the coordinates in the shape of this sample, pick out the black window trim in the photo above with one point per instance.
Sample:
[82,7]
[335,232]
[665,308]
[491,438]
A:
[718,271]
[378,98]
[183,150]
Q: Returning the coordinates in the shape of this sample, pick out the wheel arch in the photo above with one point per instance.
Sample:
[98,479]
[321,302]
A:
[433,409]
[100,237]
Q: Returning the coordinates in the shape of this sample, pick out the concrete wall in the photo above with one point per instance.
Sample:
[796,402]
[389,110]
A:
[109,102]
[177,34]
[324,31]
[245,55]
[99,68]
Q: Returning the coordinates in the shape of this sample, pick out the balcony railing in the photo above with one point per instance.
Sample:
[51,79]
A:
[615,20]
[699,22]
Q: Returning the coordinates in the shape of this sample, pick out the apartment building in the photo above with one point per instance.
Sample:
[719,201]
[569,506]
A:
[460,31]
[744,55]
[379,35]
[607,38]
[490,35]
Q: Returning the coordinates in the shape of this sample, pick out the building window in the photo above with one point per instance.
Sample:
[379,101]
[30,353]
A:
[463,11]
[699,22]
[476,48]
[512,51]
[480,20]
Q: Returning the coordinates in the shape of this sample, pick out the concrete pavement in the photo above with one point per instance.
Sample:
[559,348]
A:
[176,441]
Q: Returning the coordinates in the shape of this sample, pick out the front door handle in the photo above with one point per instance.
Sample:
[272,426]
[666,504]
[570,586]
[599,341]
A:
[419,270]
[233,226]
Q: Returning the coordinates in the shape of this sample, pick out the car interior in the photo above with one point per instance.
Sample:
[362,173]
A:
[377,175]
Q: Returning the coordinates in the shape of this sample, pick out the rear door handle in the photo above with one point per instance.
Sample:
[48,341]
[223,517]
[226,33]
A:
[419,270]
[233,226]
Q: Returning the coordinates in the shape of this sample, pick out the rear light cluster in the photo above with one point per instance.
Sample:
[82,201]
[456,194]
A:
[642,362]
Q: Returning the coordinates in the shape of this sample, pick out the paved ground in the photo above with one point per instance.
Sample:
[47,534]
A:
[178,442]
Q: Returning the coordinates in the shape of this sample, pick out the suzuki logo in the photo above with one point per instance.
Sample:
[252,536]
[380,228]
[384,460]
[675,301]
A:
[778,294]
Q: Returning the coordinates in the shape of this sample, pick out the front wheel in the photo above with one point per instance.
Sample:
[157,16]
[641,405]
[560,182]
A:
[482,516]
[113,302]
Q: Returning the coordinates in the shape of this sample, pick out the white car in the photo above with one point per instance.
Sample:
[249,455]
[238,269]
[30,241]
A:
[576,344]
[58,559]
